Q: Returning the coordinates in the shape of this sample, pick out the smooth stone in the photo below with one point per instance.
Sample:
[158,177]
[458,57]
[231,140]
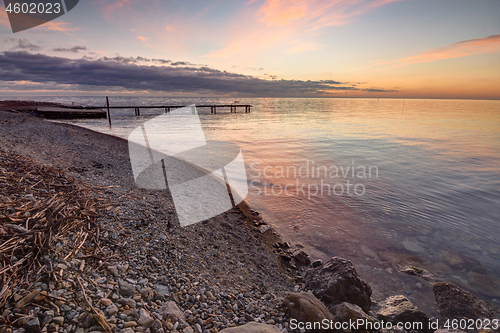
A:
[106,301]
[112,310]
[129,324]
[127,330]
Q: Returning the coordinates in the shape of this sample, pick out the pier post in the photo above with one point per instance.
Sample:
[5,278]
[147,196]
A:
[109,113]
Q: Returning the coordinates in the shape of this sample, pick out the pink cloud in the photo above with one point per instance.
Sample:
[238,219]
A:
[4,20]
[267,23]
[489,44]
[111,8]
[315,14]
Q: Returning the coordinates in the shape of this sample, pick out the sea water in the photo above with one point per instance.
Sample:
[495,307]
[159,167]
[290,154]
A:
[386,183]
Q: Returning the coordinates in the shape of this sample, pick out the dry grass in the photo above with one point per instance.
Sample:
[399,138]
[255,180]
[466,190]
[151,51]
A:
[39,207]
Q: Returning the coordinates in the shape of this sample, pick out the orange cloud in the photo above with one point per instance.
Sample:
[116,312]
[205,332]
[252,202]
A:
[489,44]
[145,40]
[282,12]
[60,26]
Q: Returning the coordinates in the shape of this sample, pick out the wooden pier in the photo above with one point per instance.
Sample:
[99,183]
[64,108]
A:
[167,108]
[69,112]
[60,111]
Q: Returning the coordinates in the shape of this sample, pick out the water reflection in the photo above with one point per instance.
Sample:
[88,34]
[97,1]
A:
[435,202]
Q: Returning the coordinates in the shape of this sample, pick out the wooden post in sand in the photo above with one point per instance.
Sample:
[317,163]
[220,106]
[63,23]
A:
[109,113]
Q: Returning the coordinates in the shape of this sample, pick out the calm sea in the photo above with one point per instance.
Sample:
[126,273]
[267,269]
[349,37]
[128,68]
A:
[380,182]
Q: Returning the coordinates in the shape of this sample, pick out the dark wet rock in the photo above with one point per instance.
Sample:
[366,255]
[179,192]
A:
[169,310]
[302,257]
[399,309]
[88,321]
[347,312]
[338,281]
[454,302]
[485,284]
[252,328]
[317,263]
[305,307]
[33,325]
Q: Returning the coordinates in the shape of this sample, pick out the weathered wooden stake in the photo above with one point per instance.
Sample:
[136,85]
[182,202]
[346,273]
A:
[109,113]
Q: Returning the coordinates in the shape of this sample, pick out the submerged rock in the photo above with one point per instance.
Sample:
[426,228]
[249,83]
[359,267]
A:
[413,247]
[338,281]
[454,302]
[399,309]
[461,261]
[401,259]
[485,284]
[420,272]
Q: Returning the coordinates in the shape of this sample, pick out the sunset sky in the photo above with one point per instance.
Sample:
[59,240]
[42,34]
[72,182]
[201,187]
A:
[286,48]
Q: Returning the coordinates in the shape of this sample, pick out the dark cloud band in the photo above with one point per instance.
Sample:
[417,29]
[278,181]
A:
[24,66]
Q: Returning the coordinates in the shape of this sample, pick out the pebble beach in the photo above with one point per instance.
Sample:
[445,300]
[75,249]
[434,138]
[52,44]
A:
[85,250]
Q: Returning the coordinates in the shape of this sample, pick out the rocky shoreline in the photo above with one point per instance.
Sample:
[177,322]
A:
[129,267]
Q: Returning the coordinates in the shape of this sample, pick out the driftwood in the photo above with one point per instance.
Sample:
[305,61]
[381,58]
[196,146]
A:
[97,316]
[39,206]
